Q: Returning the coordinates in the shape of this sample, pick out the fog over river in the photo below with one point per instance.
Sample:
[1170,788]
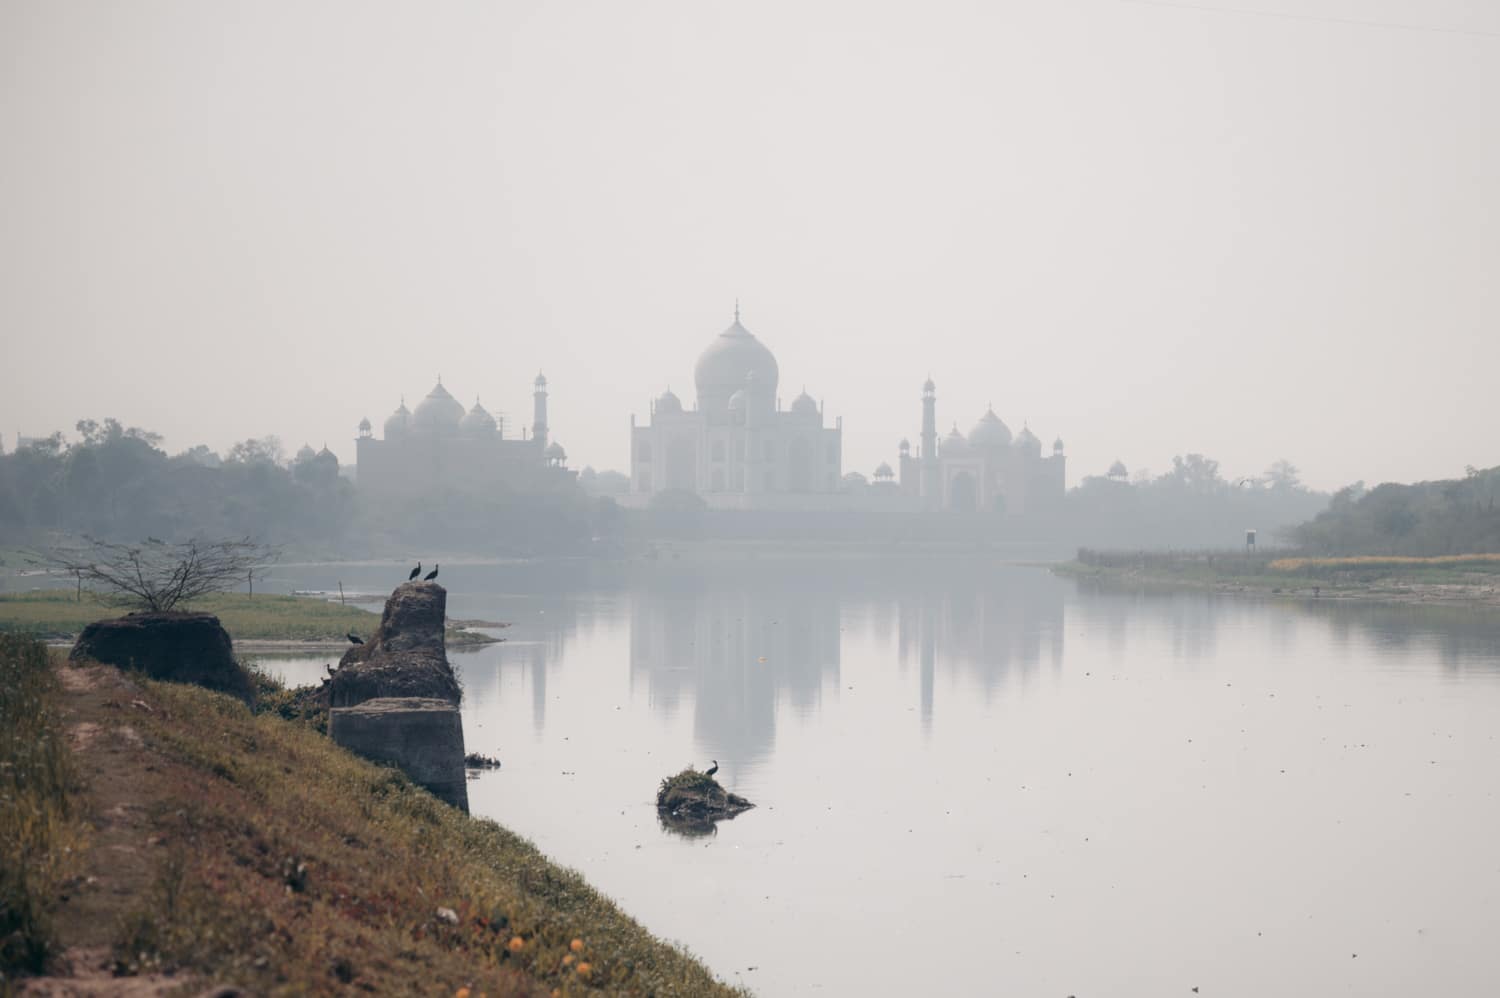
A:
[981,779]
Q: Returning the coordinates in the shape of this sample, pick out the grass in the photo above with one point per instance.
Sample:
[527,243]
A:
[1378,576]
[39,831]
[285,865]
[264,617]
[1390,564]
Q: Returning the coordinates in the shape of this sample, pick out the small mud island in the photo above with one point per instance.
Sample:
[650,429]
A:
[691,802]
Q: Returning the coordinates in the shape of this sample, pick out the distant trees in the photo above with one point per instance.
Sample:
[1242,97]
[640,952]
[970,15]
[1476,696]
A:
[1192,505]
[115,483]
[1283,474]
[1452,516]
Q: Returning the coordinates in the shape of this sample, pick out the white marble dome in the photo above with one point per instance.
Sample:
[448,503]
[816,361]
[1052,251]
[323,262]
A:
[990,432]
[398,423]
[729,360]
[478,422]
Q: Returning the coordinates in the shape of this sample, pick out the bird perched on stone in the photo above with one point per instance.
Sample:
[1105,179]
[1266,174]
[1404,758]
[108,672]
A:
[432,574]
[415,572]
[713,769]
[354,639]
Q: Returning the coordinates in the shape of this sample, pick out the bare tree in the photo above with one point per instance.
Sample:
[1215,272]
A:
[158,575]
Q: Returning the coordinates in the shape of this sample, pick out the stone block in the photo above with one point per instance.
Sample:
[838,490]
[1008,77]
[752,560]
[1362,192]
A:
[422,736]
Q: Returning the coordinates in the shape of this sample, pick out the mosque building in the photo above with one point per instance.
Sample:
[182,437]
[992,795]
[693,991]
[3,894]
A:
[738,448]
[442,446]
[986,471]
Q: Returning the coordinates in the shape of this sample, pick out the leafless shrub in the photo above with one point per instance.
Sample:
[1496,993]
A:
[158,575]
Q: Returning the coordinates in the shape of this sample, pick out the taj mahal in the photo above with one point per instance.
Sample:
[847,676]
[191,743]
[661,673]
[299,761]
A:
[740,449]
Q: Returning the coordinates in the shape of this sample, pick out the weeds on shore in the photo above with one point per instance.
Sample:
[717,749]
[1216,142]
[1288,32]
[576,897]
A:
[350,875]
[1377,563]
[39,834]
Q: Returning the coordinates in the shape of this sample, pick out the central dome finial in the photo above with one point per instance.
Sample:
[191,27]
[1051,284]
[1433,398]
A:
[736,310]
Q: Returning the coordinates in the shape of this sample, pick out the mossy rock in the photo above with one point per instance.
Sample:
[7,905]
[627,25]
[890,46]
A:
[691,801]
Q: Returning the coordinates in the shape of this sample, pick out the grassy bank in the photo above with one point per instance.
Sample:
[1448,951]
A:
[39,829]
[1473,579]
[227,848]
[264,617]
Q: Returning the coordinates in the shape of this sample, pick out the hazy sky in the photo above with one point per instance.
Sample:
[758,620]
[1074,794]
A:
[1149,228]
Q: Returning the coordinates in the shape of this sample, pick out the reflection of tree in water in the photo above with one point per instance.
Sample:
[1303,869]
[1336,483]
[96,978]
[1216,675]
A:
[1461,636]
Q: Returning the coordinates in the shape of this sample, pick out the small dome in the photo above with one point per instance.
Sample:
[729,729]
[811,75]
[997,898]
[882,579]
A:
[804,405]
[884,472]
[439,412]
[989,431]
[905,446]
[723,366]
[555,452]
[398,422]
[541,380]
[954,443]
[306,453]
[327,455]
[1057,446]
[1028,442]
[364,425]
[668,402]
[928,387]
[478,422]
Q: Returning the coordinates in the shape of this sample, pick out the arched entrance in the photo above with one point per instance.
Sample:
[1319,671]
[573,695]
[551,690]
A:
[682,465]
[963,493]
[799,466]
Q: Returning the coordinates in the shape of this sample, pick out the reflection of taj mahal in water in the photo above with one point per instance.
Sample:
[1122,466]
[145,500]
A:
[739,449]
[741,650]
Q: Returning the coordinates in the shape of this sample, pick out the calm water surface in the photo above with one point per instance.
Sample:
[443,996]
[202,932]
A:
[984,780]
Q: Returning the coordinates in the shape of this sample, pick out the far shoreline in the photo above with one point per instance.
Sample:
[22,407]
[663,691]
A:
[1198,573]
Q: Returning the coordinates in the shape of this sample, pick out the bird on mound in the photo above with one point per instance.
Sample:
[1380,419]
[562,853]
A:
[713,769]
[415,572]
[354,639]
[432,574]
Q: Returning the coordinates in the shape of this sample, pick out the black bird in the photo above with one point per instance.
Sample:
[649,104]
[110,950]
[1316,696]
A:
[354,639]
[432,574]
[415,572]
[713,769]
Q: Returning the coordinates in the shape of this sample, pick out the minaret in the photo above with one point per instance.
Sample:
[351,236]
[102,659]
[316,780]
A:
[539,411]
[929,444]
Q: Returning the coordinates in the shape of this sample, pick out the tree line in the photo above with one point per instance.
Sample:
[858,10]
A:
[115,482]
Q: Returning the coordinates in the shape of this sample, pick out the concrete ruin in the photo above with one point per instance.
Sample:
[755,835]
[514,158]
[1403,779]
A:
[394,699]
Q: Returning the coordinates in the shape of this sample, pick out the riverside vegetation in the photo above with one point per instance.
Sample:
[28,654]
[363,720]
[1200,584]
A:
[167,833]
[1469,579]
[58,613]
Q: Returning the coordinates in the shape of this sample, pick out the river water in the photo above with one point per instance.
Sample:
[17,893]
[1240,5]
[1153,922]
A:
[980,779]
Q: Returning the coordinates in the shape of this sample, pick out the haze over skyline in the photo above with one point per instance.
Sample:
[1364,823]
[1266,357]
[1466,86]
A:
[1146,228]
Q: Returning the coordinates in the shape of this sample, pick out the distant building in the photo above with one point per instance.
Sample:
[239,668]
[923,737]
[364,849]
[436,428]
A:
[986,471]
[442,447]
[738,448]
[315,468]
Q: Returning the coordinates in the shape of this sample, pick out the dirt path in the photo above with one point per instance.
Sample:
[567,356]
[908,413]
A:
[121,780]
